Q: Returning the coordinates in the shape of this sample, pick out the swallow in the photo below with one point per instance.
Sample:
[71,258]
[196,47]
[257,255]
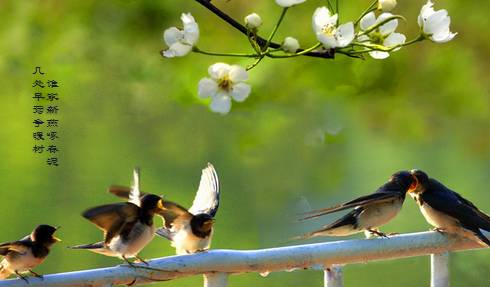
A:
[189,230]
[128,226]
[448,211]
[25,254]
[369,212]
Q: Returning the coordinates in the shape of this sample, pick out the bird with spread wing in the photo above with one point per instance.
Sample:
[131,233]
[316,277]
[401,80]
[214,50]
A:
[128,226]
[189,230]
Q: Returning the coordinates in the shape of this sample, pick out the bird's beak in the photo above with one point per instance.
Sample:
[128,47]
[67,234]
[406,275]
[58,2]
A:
[56,238]
[160,204]
[414,184]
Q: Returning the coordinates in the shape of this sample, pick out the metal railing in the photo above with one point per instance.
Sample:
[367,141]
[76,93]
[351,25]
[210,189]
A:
[217,265]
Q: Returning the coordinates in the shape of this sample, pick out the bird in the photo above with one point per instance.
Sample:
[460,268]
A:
[447,211]
[189,230]
[369,212]
[128,226]
[25,254]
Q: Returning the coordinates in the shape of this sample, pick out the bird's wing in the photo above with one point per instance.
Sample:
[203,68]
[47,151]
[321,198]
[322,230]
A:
[120,191]
[363,200]
[207,196]
[112,218]
[453,204]
[348,219]
[174,215]
[135,193]
[16,246]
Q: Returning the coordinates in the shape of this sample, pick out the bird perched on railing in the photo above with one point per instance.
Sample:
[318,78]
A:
[128,226]
[23,255]
[189,230]
[369,212]
[447,210]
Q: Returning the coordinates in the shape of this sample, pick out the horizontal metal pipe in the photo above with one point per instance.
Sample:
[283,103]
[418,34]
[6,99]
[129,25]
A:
[263,260]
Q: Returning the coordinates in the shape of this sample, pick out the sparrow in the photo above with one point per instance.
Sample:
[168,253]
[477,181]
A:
[189,230]
[448,211]
[28,252]
[128,226]
[369,212]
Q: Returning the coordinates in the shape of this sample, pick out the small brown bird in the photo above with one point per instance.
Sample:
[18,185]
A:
[191,230]
[23,255]
[368,212]
[128,226]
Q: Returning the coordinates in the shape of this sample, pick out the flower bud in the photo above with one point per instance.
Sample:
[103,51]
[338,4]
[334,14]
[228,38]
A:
[290,45]
[253,21]
[386,5]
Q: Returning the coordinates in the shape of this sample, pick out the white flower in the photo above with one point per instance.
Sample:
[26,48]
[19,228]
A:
[290,45]
[253,21]
[180,42]
[435,24]
[384,35]
[289,3]
[386,5]
[327,32]
[226,82]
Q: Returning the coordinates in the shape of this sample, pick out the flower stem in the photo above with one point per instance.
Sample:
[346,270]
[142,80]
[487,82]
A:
[254,64]
[197,50]
[283,13]
[377,25]
[317,45]
[330,54]
[419,38]
[371,7]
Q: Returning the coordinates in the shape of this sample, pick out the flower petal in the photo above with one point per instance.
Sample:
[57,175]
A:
[237,74]
[394,39]
[219,70]
[191,29]
[240,92]
[345,34]
[288,3]
[367,21]
[425,12]
[172,35]
[379,55]
[177,50]
[389,27]
[322,18]
[207,87]
[437,22]
[328,41]
[221,103]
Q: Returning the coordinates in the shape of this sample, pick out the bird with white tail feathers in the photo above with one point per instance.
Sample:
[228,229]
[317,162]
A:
[189,230]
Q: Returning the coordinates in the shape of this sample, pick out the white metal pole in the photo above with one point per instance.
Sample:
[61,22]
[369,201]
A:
[215,279]
[333,276]
[439,264]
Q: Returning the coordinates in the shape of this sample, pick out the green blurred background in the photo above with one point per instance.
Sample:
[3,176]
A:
[312,133]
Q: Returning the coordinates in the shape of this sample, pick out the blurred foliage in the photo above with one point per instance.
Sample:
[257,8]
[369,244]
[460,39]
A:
[313,132]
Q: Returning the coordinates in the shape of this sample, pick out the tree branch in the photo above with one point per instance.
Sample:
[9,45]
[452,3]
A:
[327,54]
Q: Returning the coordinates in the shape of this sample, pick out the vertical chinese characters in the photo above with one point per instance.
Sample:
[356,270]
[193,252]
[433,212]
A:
[45,122]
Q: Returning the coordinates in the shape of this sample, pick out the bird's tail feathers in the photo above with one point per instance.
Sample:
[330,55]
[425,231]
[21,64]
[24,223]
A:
[482,237]
[165,233]
[305,236]
[96,245]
